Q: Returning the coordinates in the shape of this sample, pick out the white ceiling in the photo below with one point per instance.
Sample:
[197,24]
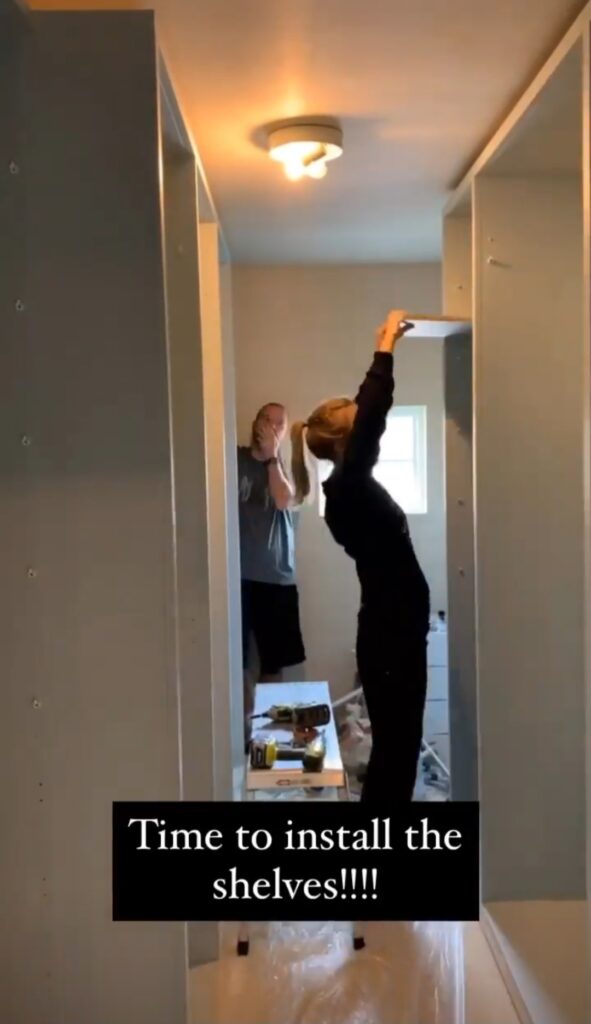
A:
[419,86]
[548,140]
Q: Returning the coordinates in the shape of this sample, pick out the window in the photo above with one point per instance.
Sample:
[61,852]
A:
[402,465]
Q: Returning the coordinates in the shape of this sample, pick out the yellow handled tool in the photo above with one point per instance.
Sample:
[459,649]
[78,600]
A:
[265,751]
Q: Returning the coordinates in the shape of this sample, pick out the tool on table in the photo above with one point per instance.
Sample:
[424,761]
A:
[314,754]
[304,716]
[265,751]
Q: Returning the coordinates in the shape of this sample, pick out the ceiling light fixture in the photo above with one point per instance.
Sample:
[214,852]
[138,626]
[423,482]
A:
[304,148]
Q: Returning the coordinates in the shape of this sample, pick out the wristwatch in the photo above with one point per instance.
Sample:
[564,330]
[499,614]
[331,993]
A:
[271,462]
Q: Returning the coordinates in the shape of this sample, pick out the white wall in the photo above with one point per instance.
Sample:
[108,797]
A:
[301,335]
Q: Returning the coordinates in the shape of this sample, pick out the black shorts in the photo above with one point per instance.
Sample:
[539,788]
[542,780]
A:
[271,612]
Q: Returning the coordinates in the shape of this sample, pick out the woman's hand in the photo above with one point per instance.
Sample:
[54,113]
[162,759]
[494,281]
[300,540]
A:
[394,328]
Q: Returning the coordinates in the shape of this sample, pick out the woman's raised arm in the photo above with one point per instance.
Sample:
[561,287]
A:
[374,398]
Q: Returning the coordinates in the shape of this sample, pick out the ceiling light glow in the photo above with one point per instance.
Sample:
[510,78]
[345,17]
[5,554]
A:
[305,148]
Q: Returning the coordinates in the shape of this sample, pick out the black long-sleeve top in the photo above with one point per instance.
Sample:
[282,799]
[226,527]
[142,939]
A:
[367,522]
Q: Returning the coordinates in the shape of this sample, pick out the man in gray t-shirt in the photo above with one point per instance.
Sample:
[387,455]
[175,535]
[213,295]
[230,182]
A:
[270,603]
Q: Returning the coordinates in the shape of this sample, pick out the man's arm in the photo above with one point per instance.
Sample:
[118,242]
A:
[280,488]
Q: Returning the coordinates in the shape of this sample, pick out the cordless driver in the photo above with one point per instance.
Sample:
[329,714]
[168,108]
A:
[300,716]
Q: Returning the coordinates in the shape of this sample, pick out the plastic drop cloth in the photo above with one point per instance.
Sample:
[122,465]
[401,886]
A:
[310,974]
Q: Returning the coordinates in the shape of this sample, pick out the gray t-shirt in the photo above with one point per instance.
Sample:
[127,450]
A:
[267,534]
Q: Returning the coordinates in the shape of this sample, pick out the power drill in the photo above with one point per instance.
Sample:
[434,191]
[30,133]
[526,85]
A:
[265,751]
[301,716]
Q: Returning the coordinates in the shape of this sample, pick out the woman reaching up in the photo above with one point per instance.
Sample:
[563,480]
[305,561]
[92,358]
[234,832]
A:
[393,622]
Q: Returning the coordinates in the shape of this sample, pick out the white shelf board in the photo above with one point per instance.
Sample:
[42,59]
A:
[436,326]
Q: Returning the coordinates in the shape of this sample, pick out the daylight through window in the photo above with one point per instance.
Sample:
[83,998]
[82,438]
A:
[402,465]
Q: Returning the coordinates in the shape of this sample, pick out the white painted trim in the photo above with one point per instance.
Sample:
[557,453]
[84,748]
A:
[174,117]
[161,116]
[476,320]
[458,195]
[489,932]
[587,431]
[575,34]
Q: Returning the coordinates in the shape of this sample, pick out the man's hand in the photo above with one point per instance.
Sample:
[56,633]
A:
[394,328]
[267,441]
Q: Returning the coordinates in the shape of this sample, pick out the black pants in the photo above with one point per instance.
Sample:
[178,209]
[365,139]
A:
[271,612]
[393,674]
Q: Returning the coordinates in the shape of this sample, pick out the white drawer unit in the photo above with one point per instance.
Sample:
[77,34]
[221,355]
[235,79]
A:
[440,744]
[437,650]
[436,718]
[437,685]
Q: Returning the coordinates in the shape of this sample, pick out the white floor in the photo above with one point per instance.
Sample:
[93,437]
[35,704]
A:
[309,974]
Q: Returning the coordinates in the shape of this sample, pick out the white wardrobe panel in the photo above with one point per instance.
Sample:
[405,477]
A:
[529,536]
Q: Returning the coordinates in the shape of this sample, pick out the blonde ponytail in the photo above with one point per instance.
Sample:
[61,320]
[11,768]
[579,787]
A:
[299,469]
